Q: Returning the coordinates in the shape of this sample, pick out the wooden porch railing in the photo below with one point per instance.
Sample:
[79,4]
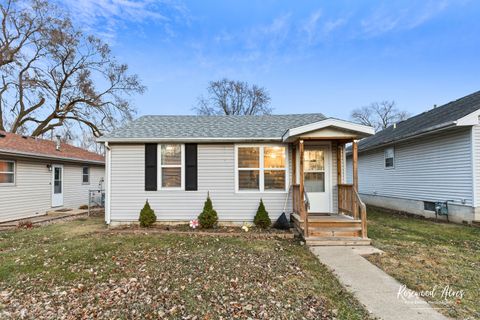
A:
[349,203]
[300,207]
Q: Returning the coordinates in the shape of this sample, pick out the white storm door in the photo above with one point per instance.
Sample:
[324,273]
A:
[57,185]
[317,178]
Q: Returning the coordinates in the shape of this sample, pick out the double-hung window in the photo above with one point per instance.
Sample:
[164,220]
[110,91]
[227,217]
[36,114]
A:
[389,158]
[261,168]
[7,172]
[171,166]
[85,174]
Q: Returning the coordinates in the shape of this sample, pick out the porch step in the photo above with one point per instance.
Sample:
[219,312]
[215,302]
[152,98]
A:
[337,241]
[334,223]
[335,232]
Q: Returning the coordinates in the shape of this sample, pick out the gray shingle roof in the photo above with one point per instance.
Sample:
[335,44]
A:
[439,117]
[217,127]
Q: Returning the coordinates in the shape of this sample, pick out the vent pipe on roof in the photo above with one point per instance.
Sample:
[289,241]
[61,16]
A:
[394,125]
[57,147]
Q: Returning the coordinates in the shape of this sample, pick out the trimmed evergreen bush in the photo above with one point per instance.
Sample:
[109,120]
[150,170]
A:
[208,218]
[147,216]
[262,219]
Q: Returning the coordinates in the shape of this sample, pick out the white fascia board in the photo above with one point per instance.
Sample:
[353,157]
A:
[470,119]
[342,124]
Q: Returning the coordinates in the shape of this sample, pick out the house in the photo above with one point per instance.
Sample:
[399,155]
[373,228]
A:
[38,175]
[429,160]
[173,161]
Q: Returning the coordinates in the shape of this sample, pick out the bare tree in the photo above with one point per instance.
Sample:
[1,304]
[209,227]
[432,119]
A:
[231,97]
[54,76]
[379,115]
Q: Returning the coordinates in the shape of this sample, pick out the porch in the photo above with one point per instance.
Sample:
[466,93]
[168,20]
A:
[346,221]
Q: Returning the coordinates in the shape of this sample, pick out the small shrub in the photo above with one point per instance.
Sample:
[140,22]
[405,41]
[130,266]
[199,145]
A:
[262,219]
[147,216]
[208,218]
[83,207]
[25,224]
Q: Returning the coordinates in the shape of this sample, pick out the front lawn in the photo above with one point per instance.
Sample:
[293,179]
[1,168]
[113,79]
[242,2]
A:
[68,270]
[425,255]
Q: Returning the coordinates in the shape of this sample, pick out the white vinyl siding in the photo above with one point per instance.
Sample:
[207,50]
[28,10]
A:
[216,174]
[476,164]
[430,168]
[32,193]
[75,193]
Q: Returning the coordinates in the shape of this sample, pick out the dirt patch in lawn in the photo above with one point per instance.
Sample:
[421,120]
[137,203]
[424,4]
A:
[428,256]
[150,276]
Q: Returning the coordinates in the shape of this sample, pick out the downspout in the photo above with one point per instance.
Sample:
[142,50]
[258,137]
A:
[108,160]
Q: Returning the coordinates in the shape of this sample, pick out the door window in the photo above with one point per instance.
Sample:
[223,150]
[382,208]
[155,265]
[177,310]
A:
[314,170]
[57,180]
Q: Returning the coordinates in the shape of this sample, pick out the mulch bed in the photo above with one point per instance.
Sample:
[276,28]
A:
[253,233]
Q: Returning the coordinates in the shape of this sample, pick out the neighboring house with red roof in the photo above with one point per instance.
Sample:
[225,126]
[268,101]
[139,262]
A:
[38,175]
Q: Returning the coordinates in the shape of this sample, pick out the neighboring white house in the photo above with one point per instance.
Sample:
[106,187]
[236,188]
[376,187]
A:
[38,175]
[173,161]
[431,157]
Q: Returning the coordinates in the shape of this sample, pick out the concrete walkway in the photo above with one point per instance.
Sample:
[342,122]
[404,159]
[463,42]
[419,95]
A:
[371,286]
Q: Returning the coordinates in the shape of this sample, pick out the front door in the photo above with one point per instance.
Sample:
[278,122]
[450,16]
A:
[317,178]
[57,185]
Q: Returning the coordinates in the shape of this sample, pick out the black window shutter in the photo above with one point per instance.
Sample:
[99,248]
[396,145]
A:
[191,165]
[150,167]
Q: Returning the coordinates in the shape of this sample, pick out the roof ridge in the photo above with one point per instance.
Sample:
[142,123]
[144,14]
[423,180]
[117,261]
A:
[439,117]
[232,115]
[443,106]
[45,140]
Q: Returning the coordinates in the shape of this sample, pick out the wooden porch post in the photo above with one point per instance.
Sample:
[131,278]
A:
[355,178]
[339,163]
[339,174]
[302,190]
[294,165]
[355,163]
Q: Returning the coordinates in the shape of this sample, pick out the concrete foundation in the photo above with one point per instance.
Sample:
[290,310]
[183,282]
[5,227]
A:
[456,213]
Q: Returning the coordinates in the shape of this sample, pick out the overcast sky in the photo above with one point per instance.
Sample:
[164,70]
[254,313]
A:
[312,56]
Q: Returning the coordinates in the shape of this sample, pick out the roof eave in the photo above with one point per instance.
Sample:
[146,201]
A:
[46,157]
[187,140]
[444,126]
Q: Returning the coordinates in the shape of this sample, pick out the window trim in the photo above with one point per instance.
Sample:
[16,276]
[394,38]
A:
[160,167]
[8,184]
[88,174]
[385,158]
[261,187]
